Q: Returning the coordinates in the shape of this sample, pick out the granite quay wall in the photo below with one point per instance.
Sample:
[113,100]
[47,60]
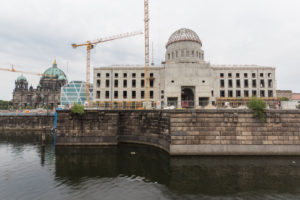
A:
[234,132]
[23,123]
[113,127]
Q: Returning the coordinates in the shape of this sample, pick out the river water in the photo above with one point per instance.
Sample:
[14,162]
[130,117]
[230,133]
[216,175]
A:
[131,172]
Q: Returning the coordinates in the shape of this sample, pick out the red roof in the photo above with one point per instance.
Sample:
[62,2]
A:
[296,96]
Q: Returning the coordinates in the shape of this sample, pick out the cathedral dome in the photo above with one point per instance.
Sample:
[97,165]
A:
[54,73]
[21,78]
[184,34]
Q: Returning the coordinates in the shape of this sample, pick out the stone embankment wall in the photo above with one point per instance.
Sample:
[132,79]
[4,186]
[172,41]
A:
[27,123]
[113,127]
[234,132]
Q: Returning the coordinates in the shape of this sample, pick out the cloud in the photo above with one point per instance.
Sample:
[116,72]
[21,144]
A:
[34,33]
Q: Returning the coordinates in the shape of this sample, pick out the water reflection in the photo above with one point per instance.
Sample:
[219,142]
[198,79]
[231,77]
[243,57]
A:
[28,171]
[183,175]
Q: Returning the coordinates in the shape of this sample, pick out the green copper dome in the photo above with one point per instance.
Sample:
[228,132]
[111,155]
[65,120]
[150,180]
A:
[21,78]
[61,78]
[54,73]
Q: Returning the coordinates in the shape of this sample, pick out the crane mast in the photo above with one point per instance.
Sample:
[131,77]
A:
[147,68]
[89,46]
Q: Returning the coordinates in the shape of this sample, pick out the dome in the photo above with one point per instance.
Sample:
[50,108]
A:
[54,72]
[21,78]
[184,34]
[61,78]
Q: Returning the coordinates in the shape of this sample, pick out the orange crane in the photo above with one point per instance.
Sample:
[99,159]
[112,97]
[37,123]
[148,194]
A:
[90,45]
[23,72]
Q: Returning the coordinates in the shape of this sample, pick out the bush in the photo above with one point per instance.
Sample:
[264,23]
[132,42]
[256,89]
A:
[258,106]
[77,109]
[284,99]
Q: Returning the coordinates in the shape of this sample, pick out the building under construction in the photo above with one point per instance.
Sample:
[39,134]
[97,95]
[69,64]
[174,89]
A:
[185,80]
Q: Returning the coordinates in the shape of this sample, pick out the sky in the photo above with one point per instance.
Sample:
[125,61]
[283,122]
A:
[35,32]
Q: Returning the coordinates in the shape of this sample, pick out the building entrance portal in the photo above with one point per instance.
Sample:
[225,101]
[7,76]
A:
[187,97]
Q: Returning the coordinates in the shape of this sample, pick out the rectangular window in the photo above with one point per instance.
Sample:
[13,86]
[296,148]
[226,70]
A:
[124,83]
[245,75]
[98,83]
[116,75]
[254,83]
[176,54]
[125,94]
[151,83]
[193,53]
[261,74]
[222,83]
[222,93]
[98,75]
[133,75]
[133,83]
[229,75]
[254,93]
[142,83]
[253,75]
[107,75]
[221,75]
[246,84]
[246,93]
[142,75]
[142,94]
[116,83]
[182,53]
[230,83]
[107,94]
[162,91]
[116,94]
[151,75]
[187,53]
[262,93]
[262,83]
[238,83]
[237,75]
[107,83]
[269,75]
[238,93]
[230,93]
[151,94]
[125,75]
[270,93]
[133,94]
[270,83]
[98,95]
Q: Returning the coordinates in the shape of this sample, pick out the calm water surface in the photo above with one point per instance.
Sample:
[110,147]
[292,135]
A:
[28,171]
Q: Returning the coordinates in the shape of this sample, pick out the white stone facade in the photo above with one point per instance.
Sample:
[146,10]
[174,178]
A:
[184,79]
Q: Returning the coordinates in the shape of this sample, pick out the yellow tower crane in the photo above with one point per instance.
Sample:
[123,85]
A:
[90,45]
[147,67]
[12,69]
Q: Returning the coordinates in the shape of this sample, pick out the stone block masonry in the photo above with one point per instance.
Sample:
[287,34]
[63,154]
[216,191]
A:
[234,132]
[186,132]
[113,127]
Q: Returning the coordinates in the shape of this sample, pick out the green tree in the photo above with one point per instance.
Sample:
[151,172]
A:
[4,105]
[258,106]
[284,99]
[77,109]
